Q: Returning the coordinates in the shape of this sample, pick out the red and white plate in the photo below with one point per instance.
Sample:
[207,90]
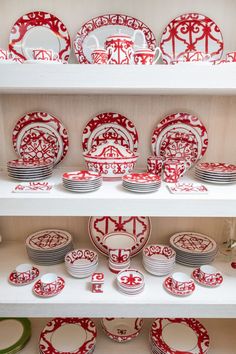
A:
[139,226]
[14,279]
[187,188]
[110,127]
[167,334]
[40,135]
[180,135]
[142,178]
[122,329]
[39,29]
[82,181]
[130,281]
[103,27]
[191,32]
[220,168]
[81,332]
[39,291]
[81,176]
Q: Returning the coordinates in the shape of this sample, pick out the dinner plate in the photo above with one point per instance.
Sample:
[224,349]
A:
[14,334]
[191,32]
[104,26]
[39,29]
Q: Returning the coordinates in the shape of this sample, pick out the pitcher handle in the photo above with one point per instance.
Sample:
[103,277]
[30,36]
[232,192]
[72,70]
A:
[143,37]
[158,54]
[95,40]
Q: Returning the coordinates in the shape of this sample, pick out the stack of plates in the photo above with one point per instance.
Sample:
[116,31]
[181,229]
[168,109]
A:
[178,335]
[68,335]
[219,173]
[130,281]
[82,181]
[159,259]
[193,249]
[81,263]
[29,170]
[14,334]
[141,182]
[48,247]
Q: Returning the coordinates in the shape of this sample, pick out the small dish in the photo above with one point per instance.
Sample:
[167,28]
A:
[17,280]
[207,275]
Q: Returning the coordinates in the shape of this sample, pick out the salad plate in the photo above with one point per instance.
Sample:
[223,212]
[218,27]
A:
[39,29]
[110,127]
[100,226]
[39,135]
[191,32]
[105,26]
[182,136]
[14,334]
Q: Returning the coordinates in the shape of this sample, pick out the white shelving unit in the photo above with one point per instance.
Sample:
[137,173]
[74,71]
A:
[76,93]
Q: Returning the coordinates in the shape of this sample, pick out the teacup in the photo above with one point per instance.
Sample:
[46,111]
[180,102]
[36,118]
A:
[49,282]
[44,54]
[231,57]
[208,274]
[100,56]
[196,56]
[24,272]
[5,54]
[146,56]
[174,169]
[181,282]
[155,164]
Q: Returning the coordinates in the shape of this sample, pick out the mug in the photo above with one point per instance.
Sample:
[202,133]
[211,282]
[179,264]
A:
[24,272]
[181,282]
[44,54]
[99,56]
[231,57]
[5,54]
[49,282]
[174,169]
[155,164]
[194,56]
[146,56]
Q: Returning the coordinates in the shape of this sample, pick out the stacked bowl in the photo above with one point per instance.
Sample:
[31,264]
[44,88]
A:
[29,170]
[144,182]
[82,181]
[81,263]
[159,259]
[130,281]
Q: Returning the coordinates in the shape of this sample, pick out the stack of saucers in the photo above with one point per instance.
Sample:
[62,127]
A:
[130,281]
[82,181]
[141,182]
[193,249]
[81,263]
[29,170]
[48,247]
[159,259]
[219,173]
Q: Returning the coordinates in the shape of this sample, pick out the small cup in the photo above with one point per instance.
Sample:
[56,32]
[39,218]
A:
[146,56]
[49,282]
[100,56]
[194,56]
[24,272]
[44,54]
[5,54]
[181,282]
[173,170]
[208,274]
[231,57]
[155,164]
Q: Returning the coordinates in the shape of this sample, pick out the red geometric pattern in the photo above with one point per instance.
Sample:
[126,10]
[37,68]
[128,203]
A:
[48,239]
[191,32]
[193,242]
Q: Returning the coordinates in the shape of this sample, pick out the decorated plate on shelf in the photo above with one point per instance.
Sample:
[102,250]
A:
[39,29]
[14,334]
[188,33]
[110,127]
[139,226]
[105,26]
[39,135]
[180,135]
[81,332]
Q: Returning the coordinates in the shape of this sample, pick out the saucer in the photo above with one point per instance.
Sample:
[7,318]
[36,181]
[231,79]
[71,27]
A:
[168,286]
[13,279]
[39,292]
[212,284]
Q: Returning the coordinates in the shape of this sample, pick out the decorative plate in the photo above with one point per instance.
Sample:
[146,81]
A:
[122,329]
[39,135]
[192,242]
[185,292]
[108,126]
[37,288]
[130,278]
[191,32]
[81,331]
[217,167]
[180,135]
[39,29]
[142,178]
[14,334]
[167,334]
[139,226]
[213,282]
[50,239]
[103,27]
[81,176]
[13,278]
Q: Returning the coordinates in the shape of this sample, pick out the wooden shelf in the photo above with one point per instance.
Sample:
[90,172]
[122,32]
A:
[77,299]
[118,79]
